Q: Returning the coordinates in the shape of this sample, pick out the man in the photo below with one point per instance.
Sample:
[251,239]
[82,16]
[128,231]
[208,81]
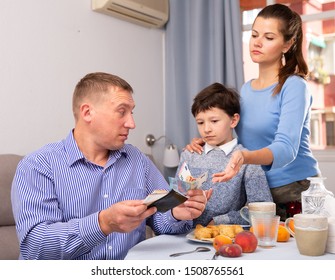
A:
[82,197]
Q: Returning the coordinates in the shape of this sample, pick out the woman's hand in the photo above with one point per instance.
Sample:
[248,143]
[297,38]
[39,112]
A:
[195,145]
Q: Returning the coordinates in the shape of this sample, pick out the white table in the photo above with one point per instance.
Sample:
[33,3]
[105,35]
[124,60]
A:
[160,247]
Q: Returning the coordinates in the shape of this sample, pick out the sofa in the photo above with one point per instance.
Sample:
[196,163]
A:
[9,245]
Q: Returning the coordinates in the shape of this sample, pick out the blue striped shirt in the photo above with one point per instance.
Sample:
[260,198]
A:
[57,195]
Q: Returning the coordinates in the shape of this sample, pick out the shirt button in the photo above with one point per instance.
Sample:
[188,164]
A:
[110,247]
[105,195]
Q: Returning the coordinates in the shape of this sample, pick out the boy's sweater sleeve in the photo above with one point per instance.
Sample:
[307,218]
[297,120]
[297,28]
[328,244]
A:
[257,189]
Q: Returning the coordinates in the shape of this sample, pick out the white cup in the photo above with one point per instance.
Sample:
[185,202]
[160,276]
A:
[310,233]
[263,208]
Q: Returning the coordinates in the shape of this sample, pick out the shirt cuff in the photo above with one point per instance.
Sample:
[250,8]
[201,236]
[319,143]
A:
[90,230]
[176,224]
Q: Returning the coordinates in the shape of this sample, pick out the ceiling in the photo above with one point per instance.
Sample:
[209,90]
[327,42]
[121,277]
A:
[256,4]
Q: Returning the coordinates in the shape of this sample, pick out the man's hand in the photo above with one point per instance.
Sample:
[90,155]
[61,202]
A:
[232,168]
[194,206]
[195,145]
[124,216]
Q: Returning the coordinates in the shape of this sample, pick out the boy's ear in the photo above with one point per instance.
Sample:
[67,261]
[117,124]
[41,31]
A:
[234,120]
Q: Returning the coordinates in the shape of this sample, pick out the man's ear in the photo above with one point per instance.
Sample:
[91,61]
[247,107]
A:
[234,120]
[86,112]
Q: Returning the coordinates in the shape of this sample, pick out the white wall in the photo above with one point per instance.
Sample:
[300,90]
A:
[326,159]
[47,46]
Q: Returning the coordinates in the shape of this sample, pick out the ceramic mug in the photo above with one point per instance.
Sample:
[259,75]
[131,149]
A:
[263,208]
[310,233]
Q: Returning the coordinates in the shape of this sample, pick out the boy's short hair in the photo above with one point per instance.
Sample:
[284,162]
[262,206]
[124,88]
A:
[217,96]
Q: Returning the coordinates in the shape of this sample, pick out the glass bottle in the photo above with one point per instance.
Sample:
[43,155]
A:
[313,199]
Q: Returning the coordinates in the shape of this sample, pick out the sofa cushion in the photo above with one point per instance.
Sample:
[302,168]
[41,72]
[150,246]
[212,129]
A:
[9,244]
[8,164]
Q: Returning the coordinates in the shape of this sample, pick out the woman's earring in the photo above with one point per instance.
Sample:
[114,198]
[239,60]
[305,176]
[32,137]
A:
[283,60]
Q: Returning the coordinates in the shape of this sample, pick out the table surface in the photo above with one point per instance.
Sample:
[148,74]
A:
[160,247]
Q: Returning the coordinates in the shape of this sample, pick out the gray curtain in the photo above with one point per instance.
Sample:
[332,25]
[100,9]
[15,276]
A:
[203,46]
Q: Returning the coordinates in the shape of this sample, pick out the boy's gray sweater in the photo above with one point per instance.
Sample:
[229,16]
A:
[228,198]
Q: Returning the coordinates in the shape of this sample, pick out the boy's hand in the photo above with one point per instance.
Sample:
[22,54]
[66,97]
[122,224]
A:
[232,168]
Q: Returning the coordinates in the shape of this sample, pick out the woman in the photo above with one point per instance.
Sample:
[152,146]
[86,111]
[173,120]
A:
[275,110]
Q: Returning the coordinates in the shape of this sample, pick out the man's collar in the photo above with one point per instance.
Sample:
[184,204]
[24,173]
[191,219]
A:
[227,148]
[74,153]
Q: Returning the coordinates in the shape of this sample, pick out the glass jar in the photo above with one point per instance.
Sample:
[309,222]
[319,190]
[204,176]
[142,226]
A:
[313,199]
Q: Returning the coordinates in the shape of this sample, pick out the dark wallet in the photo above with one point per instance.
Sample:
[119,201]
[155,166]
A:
[169,201]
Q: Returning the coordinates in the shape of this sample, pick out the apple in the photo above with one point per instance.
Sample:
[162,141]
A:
[247,240]
[230,250]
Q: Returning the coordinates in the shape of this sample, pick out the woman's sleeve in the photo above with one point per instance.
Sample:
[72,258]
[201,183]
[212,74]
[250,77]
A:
[295,103]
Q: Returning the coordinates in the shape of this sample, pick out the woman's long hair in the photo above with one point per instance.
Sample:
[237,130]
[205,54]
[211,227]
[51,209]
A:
[291,28]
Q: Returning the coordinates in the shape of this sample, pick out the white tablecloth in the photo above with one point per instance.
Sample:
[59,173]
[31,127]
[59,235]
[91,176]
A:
[160,247]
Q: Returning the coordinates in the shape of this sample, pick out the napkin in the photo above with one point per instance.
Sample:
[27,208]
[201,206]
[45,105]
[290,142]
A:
[330,246]
[329,205]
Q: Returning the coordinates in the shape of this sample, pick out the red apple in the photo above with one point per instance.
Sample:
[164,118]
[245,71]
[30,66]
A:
[247,240]
[230,250]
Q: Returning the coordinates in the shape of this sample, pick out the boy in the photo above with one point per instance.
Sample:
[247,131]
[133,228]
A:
[217,112]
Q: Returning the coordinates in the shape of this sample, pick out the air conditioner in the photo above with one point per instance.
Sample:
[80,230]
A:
[149,13]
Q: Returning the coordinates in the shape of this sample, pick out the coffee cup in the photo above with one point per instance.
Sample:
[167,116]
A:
[262,208]
[310,233]
[265,229]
